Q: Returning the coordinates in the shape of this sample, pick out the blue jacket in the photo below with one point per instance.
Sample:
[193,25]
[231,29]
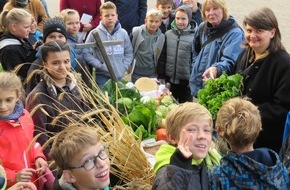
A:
[130,13]
[222,52]
[120,56]
[262,170]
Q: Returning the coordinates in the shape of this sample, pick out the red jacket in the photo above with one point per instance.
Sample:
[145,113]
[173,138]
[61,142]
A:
[15,150]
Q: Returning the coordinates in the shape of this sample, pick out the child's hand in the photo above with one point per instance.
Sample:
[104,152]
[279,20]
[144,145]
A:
[185,139]
[23,185]
[24,175]
[41,165]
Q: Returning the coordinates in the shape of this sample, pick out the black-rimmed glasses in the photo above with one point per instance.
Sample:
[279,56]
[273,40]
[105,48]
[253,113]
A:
[91,163]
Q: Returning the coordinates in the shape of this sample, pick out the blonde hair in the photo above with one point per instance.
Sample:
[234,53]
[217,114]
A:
[13,16]
[239,122]
[69,142]
[106,6]
[216,3]
[67,12]
[180,115]
[10,81]
[154,13]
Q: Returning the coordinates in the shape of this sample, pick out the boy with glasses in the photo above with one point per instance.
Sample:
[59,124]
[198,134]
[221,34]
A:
[82,159]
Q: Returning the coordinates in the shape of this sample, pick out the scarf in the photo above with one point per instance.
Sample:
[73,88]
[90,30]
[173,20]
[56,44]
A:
[17,112]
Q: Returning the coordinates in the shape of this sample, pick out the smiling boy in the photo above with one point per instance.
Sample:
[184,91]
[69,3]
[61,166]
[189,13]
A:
[180,164]
[83,160]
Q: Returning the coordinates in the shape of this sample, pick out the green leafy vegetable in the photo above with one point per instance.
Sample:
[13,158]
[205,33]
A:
[216,91]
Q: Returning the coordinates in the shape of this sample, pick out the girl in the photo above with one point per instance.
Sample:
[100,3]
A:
[56,92]
[15,48]
[71,19]
[21,161]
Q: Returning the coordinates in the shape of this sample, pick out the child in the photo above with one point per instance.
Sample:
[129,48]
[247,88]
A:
[71,19]
[239,124]
[35,32]
[21,160]
[120,56]
[176,59]
[147,42]
[54,29]
[196,10]
[165,6]
[181,163]
[82,159]
[15,48]
[58,91]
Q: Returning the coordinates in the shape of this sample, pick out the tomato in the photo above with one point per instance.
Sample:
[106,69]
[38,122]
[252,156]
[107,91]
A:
[161,134]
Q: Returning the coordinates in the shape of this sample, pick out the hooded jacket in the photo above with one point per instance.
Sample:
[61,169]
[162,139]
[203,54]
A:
[120,55]
[239,171]
[15,138]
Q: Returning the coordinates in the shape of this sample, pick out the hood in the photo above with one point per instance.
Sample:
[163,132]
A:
[103,28]
[247,169]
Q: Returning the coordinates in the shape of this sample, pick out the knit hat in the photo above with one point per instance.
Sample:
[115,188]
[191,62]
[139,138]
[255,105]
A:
[54,25]
[188,11]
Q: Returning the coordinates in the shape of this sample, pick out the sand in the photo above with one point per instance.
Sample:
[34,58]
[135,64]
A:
[238,9]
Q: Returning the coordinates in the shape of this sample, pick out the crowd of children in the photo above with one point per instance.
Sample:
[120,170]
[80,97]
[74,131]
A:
[181,42]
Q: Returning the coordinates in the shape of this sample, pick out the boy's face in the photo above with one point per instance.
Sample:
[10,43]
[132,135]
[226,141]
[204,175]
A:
[165,9]
[201,132]
[98,176]
[8,99]
[58,65]
[181,20]
[152,24]
[72,24]
[109,17]
[55,36]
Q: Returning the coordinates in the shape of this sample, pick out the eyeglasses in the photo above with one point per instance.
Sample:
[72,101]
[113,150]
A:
[92,162]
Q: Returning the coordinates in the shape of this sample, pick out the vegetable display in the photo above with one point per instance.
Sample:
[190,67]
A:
[216,91]
[143,114]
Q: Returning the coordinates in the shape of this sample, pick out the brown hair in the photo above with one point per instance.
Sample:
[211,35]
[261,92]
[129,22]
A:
[164,2]
[239,122]
[265,19]
[69,142]
[106,6]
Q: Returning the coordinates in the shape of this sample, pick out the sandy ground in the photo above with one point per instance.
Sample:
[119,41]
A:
[238,9]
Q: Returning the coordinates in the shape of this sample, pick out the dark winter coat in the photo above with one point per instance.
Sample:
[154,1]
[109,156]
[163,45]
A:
[267,84]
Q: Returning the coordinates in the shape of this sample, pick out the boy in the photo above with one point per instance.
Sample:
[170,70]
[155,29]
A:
[239,124]
[147,42]
[165,6]
[181,163]
[176,58]
[196,10]
[82,159]
[120,55]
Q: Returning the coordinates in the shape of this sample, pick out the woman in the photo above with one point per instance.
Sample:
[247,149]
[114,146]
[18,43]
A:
[265,65]
[217,44]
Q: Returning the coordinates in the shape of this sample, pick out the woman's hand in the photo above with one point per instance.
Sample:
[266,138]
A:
[210,73]
[41,165]
[185,139]
[87,27]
